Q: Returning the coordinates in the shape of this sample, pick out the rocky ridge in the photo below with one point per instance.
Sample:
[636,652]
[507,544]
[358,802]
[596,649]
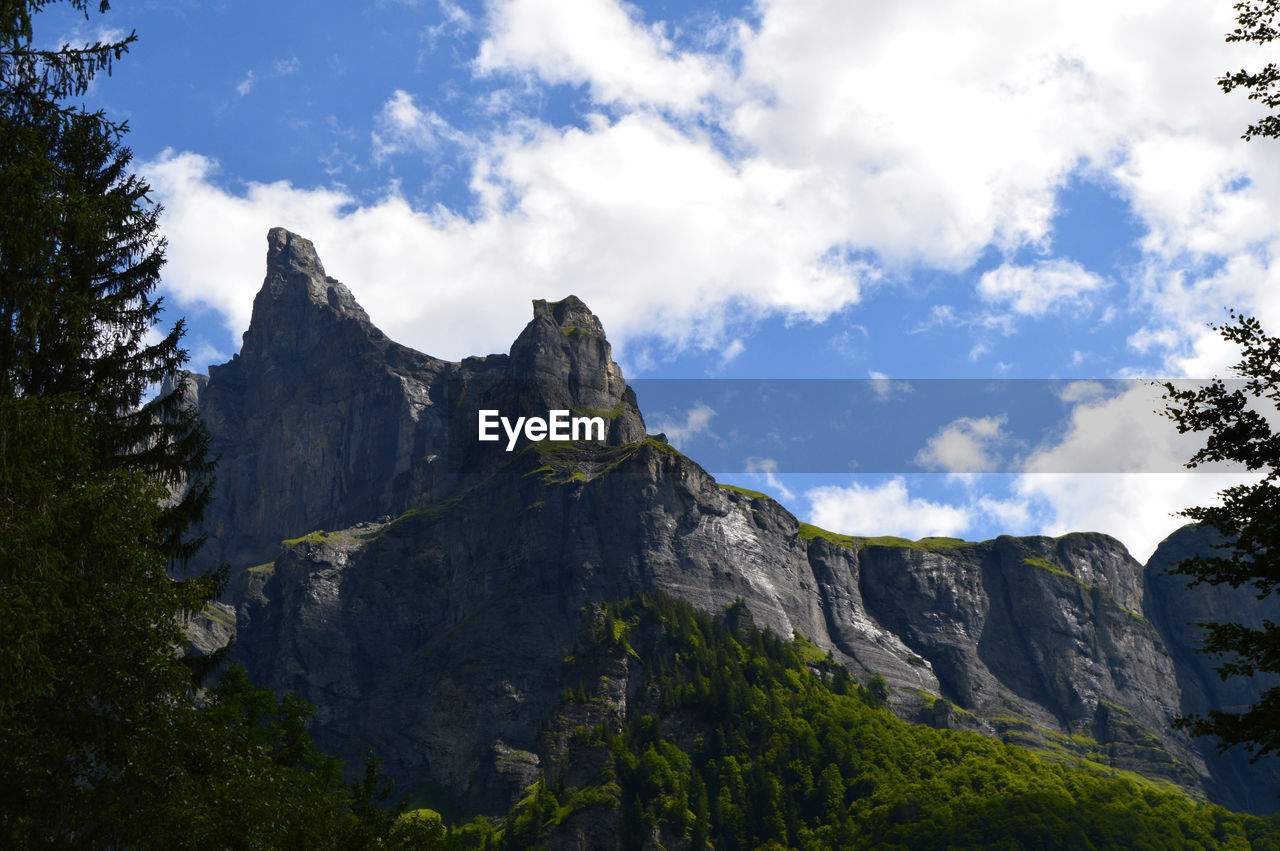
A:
[438,638]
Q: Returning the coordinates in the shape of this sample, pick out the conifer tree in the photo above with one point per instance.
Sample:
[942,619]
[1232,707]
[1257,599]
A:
[80,260]
[105,738]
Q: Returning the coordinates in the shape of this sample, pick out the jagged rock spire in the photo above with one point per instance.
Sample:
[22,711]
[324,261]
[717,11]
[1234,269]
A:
[564,353]
[298,306]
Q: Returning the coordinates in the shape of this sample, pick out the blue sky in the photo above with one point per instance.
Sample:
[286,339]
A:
[781,189]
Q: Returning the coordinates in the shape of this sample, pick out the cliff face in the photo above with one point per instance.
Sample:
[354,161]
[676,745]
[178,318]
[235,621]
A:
[439,637]
[321,421]
[1178,611]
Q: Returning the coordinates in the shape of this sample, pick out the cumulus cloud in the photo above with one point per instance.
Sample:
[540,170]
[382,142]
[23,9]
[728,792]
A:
[1139,509]
[886,509]
[1114,432]
[1116,468]
[695,422]
[723,184]
[599,44]
[1035,290]
[1080,391]
[1137,502]
[965,445]
[655,230]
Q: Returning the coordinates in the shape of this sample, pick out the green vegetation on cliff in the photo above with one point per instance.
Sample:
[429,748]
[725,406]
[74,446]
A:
[808,531]
[744,491]
[738,739]
[564,462]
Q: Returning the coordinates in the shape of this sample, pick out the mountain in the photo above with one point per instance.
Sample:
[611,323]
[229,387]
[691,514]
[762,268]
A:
[1177,610]
[321,421]
[430,590]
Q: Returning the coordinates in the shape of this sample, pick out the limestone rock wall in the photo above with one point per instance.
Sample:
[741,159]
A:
[428,589]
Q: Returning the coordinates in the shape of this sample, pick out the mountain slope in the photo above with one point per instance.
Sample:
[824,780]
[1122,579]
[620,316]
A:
[439,637]
[733,738]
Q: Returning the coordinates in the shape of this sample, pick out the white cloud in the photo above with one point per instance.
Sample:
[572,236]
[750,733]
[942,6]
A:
[767,468]
[109,35]
[83,32]
[1116,432]
[402,126]
[1139,509]
[654,230]
[886,388]
[455,14]
[281,68]
[696,422]
[964,446]
[1117,469]
[939,129]
[732,351]
[205,354]
[943,129]
[885,509]
[453,19]
[1080,391]
[1036,290]
[1010,516]
[737,181]
[598,43]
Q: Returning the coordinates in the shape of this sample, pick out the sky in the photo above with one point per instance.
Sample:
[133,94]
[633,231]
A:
[894,197]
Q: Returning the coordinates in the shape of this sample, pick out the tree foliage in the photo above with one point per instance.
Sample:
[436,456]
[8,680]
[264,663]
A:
[80,260]
[35,77]
[735,741]
[106,738]
[1236,419]
[1256,23]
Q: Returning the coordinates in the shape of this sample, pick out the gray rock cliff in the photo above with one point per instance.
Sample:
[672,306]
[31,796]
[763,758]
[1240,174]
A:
[429,588]
[1179,610]
[321,421]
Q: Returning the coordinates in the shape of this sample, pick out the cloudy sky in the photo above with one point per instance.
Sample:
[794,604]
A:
[815,189]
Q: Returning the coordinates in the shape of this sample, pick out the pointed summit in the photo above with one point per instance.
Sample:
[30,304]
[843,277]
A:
[565,338]
[570,312]
[291,257]
[564,353]
[299,306]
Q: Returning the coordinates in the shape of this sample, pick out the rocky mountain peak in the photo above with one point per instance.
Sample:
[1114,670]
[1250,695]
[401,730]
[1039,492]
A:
[422,587]
[291,256]
[561,332]
[570,312]
[564,360]
[299,305]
